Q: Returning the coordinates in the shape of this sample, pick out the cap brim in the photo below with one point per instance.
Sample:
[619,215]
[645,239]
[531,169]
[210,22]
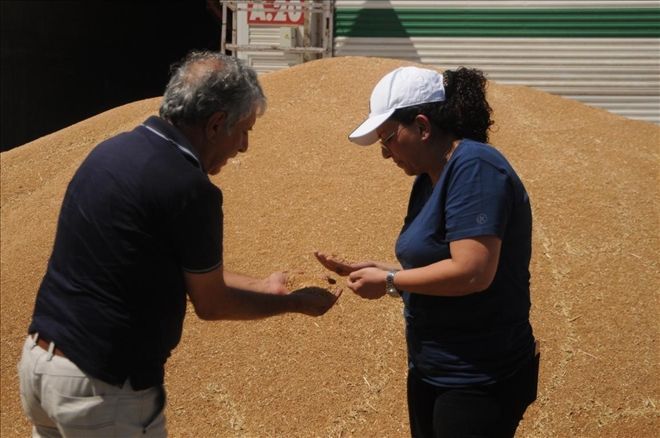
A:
[365,134]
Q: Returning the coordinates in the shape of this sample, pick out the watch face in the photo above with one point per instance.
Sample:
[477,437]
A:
[390,289]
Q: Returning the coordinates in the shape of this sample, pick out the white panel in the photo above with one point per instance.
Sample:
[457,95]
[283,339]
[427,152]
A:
[264,62]
[620,75]
[494,4]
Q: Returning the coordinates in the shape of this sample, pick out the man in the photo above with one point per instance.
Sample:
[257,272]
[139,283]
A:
[141,226]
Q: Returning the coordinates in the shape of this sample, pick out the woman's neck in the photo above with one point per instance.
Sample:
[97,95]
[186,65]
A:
[442,159]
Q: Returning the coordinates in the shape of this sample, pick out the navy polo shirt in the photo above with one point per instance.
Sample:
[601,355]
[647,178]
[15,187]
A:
[139,211]
[485,336]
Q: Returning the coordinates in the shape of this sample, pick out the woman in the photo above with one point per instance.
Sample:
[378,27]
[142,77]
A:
[464,253]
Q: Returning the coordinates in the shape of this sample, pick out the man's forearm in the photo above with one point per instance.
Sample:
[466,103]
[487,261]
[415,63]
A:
[242,304]
[243,282]
[223,295]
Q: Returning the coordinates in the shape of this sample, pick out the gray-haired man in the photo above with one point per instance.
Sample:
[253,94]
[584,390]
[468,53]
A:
[140,227]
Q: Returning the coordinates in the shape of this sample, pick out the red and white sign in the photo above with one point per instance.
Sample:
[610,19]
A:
[277,12]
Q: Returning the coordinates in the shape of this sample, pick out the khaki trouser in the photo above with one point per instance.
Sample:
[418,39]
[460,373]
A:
[62,401]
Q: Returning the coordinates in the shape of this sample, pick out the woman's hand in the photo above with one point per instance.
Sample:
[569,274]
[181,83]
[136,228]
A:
[338,265]
[368,283]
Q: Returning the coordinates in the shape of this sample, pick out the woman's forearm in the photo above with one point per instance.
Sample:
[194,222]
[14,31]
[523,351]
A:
[470,269]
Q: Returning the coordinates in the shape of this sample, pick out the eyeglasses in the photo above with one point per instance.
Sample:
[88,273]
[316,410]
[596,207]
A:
[386,140]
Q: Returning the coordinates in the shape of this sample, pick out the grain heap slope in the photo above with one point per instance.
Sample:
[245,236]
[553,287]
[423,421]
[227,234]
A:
[593,180]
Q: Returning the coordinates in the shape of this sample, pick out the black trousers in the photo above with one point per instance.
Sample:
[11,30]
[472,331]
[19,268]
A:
[490,411]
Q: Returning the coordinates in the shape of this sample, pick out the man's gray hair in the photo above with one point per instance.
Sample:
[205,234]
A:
[207,82]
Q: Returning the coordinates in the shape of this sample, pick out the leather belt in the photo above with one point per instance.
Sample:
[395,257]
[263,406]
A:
[45,344]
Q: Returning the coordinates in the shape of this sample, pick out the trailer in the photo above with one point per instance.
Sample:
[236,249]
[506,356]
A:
[604,53]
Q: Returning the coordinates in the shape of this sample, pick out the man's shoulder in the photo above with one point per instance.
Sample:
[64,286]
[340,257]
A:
[139,163]
[141,150]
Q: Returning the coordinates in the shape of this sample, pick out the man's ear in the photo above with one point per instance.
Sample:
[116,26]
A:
[215,125]
[424,125]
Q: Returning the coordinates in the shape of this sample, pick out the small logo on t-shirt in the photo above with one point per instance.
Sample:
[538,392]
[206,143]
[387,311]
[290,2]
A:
[482,218]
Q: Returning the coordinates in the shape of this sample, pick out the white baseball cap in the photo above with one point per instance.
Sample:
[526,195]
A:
[400,88]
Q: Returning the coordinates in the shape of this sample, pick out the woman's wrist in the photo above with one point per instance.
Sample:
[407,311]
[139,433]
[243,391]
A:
[390,287]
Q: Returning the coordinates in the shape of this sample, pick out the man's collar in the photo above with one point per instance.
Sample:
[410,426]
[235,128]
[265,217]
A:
[166,130]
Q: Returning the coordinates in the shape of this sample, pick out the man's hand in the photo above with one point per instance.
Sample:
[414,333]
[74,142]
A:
[315,301]
[275,283]
[222,295]
[368,283]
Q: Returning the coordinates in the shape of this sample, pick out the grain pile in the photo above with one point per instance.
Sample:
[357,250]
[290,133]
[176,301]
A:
[593,181]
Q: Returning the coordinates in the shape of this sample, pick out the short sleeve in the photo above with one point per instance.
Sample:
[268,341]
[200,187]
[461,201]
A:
[479,200]
[199,230]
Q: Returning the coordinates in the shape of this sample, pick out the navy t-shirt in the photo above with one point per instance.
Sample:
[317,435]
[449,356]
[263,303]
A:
[485,336]
[138,212]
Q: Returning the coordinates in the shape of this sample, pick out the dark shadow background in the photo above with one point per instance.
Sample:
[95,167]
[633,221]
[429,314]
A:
[65,61]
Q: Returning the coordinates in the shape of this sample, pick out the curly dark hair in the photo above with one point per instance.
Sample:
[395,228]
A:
[465,111]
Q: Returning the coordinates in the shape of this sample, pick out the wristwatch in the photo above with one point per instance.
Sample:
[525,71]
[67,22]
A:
[390,289]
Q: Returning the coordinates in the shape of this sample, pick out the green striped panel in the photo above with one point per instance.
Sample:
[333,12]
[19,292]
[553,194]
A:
[396,23]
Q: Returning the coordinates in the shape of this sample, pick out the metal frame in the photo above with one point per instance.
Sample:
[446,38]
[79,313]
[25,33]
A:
[323,9]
